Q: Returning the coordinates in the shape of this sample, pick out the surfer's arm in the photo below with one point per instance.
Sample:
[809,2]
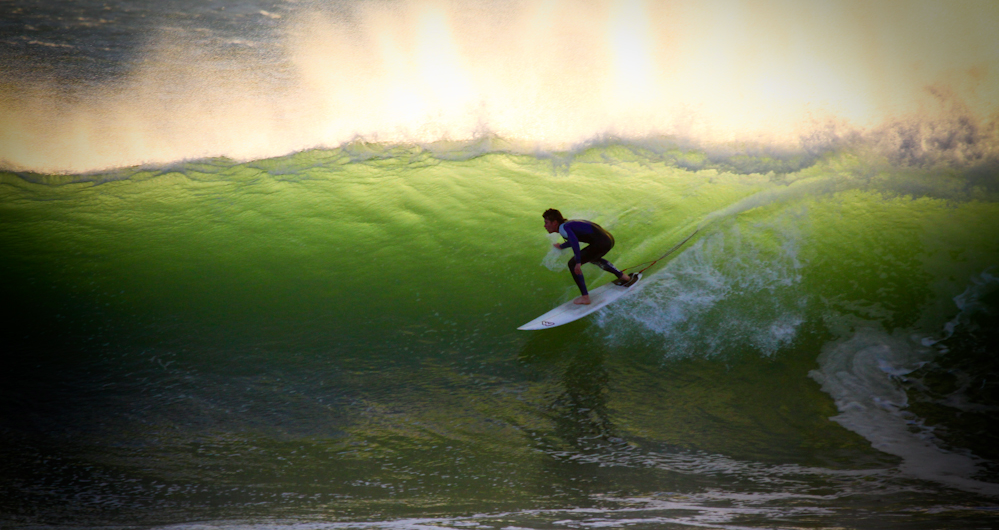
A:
[572,241]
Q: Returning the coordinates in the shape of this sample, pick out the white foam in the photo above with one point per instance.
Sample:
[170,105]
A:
[738,283]
[555,259]
[861,373]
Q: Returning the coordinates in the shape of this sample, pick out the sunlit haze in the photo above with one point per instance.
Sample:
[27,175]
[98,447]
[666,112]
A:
[544,74]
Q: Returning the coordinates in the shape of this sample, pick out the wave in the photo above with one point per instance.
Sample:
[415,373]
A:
[356,308]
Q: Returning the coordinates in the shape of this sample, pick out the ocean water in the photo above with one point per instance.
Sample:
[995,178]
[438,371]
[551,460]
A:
[325,337]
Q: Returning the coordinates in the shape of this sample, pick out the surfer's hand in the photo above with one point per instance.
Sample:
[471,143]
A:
[557,246]
[579,269]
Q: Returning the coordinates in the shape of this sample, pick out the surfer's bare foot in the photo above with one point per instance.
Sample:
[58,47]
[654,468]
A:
[582,300]
[624,279]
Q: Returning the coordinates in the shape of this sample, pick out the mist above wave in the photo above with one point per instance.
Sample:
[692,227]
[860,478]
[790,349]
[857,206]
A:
[547,77]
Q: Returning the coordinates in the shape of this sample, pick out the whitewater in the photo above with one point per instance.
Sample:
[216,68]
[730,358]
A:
[264,264]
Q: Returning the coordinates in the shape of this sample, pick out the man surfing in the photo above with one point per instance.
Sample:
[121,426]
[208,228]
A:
[599,242]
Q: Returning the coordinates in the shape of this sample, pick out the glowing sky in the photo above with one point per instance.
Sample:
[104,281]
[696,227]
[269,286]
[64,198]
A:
[552,73]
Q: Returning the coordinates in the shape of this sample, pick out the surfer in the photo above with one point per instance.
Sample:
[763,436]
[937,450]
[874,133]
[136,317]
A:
[599,243]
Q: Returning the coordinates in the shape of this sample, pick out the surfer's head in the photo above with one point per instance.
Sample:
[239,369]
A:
[553,218]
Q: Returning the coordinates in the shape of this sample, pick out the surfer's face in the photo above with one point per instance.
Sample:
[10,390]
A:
[551,226]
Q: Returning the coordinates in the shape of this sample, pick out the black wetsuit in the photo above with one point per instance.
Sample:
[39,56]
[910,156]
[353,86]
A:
[599,243]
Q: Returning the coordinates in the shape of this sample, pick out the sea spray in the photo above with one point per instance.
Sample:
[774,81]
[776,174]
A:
[729,291]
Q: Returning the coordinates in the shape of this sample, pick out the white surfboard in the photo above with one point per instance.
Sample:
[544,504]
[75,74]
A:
[568,312]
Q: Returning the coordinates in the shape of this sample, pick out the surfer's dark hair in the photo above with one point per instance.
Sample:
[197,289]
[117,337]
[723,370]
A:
[552,214]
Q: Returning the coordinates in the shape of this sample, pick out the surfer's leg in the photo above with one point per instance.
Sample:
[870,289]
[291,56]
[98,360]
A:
[622,278]
[580,282]
[578,278]
[608,266]
[594,253]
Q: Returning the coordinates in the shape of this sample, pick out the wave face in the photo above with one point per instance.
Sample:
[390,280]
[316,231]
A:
[329,339]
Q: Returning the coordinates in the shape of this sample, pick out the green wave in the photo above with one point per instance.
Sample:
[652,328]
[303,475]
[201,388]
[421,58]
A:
[357,306]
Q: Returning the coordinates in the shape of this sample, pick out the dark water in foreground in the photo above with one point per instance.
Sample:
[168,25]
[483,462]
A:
[328,340]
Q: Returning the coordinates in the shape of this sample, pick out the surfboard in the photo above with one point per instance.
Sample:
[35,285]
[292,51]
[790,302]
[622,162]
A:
[569,312]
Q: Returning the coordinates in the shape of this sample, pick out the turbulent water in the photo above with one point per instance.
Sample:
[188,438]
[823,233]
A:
[327,339]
